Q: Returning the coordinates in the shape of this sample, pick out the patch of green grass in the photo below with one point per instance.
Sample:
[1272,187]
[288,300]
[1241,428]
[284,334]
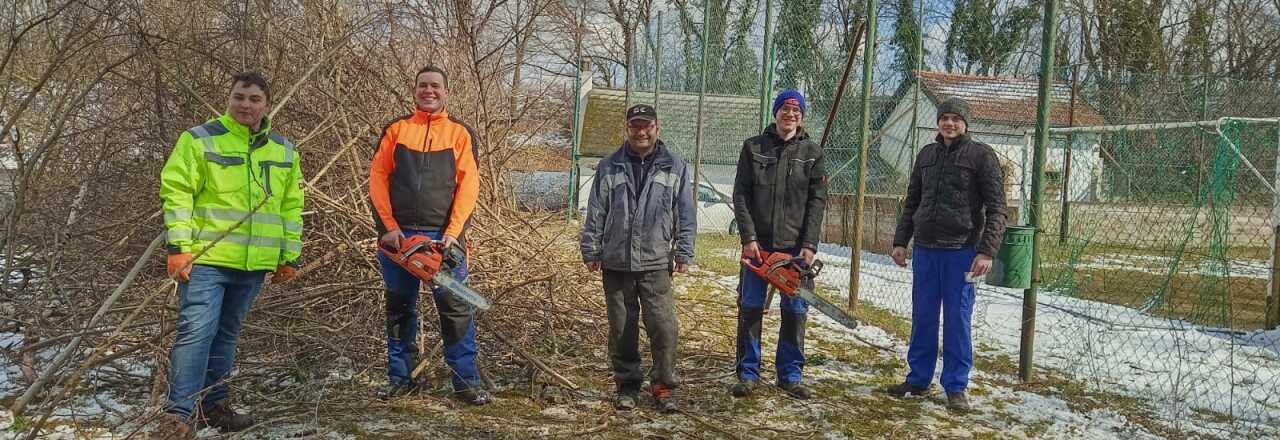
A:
[1183,297]
[20,424]
[717,253]
[891,323]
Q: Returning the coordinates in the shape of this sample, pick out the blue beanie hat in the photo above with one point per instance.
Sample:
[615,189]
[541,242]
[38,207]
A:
[784,96]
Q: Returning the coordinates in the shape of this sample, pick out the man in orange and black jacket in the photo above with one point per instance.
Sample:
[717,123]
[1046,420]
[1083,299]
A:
[424,181]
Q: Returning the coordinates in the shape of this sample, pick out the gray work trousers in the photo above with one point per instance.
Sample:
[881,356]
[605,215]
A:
[627,296]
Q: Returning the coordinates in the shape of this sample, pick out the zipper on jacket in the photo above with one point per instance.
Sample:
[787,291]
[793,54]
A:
[938,185]
[426,150]
[779,214]
[248,170]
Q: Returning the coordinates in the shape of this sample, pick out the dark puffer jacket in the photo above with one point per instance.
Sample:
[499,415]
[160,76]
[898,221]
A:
[955,198]
[780,191]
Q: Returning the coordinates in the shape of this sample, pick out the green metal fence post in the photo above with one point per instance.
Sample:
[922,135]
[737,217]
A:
[1050,33]
[766,64]
[657,62]
[915,97]
[864,138]
[702,95]
[1273,282]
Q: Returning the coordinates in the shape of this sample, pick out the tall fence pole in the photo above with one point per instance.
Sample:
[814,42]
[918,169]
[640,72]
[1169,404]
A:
[1064,224]
[579,107]
[915,96]
[1273,283]
[1050,33]
[864,138]
[914,138]
[766,66]
[657,62]
[702,97]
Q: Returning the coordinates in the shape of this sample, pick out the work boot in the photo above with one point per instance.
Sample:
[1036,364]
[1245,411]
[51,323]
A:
[628,396]
[220,415]
[743,388]
[624,402]
[662,399]
[170,426]
[796,389]
[394,390]
[903,389]
[957,402]
[474,395]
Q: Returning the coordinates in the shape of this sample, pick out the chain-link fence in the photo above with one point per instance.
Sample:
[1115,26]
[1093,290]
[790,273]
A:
[1157,236]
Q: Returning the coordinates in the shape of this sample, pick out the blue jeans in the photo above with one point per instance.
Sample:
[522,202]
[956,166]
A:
[938,280]
[211,307]
[457,323]
[789,358]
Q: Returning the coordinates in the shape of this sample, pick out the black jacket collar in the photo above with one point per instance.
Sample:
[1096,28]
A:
[963,139]
[772,131]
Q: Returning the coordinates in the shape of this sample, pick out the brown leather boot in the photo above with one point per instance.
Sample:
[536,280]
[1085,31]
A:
[220,415]
[171,426]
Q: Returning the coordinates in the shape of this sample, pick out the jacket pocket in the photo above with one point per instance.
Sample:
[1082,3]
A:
[964,178]
[226,173]
[929,174]
[664,213]
[275,177]
[762,169]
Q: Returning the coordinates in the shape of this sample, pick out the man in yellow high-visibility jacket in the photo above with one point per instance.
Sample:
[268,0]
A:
[233,211]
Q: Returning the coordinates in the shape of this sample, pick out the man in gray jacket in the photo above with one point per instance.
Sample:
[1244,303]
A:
[640,228]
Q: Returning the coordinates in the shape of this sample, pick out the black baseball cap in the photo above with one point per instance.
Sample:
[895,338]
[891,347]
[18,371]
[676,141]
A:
[642,111]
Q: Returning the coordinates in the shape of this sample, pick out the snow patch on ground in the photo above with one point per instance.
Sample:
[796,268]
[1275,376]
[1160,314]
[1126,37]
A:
[1179,368]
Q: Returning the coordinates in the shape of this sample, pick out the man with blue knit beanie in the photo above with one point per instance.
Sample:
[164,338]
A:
[779,195]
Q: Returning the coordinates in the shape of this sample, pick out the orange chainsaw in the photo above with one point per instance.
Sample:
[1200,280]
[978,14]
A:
[428,261]
[791,276]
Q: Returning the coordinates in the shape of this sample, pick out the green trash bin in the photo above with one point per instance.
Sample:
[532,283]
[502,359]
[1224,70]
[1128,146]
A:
[1012,267]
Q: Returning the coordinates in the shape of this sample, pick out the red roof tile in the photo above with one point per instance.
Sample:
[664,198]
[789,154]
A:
[1007,100]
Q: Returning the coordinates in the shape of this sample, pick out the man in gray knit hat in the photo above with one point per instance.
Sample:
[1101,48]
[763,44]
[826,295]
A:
[955,211]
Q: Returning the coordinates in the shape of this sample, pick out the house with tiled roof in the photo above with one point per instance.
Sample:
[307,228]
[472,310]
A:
[1003,110]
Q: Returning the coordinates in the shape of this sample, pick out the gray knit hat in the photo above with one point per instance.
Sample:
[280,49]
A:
[954,105]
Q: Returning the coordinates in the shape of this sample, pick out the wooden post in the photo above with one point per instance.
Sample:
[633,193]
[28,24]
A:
[1064,224]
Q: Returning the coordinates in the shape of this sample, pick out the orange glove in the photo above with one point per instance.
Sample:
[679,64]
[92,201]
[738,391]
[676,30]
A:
[180,262]
[284,273]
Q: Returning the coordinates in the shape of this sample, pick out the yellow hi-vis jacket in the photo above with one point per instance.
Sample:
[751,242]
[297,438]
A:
[217,173]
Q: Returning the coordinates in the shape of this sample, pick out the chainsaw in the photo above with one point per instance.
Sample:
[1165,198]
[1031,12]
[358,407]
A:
[791,276]
[429,261]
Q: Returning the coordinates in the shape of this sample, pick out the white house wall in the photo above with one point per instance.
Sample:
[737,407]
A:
[896,149]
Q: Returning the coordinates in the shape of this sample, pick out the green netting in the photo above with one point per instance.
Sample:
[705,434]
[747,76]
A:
[1163,238]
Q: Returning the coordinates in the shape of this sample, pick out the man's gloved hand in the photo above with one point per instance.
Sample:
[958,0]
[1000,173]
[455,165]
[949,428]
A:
[283,274]
[751,250]
[448,241]
[179,266]
[391,240]
[809,255]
